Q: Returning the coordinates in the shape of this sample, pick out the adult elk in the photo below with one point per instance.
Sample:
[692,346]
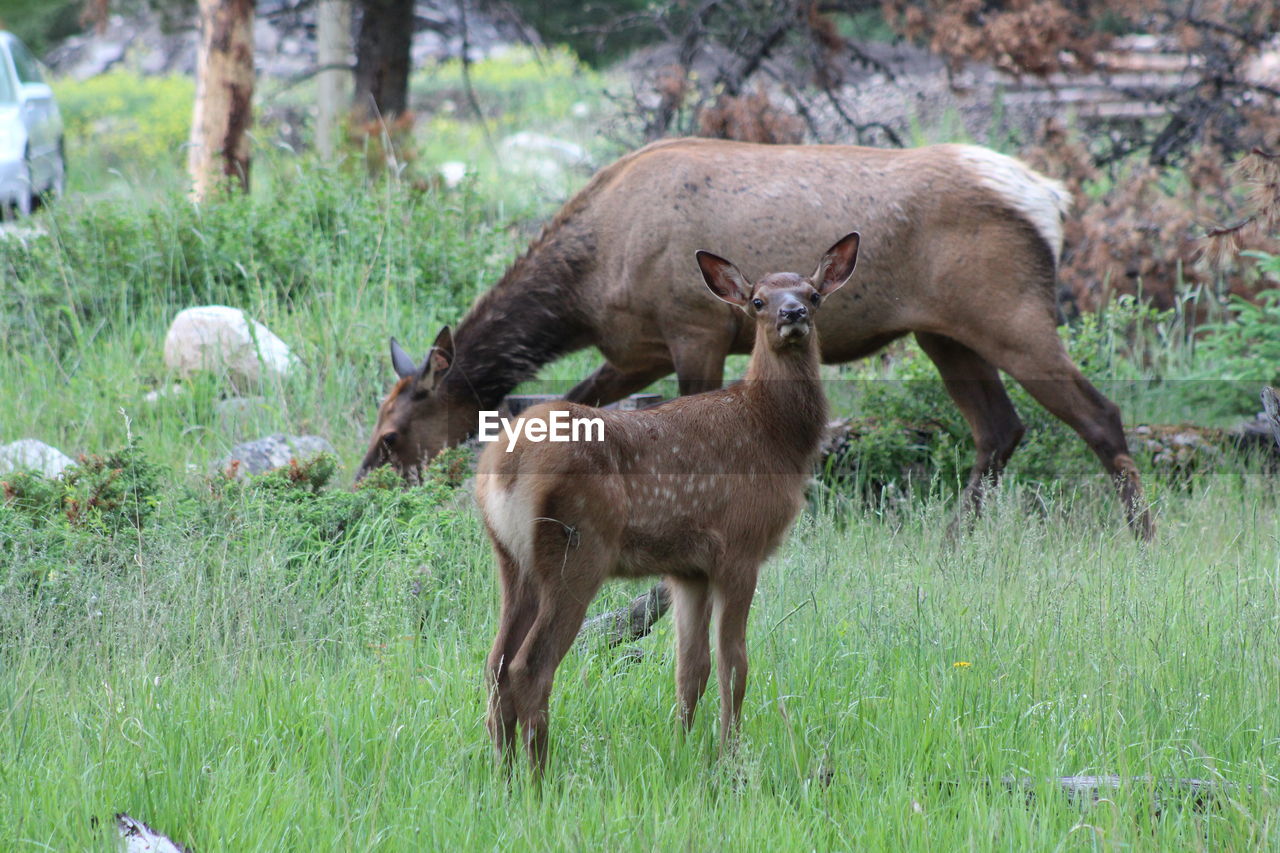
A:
[565,516]
[961,247]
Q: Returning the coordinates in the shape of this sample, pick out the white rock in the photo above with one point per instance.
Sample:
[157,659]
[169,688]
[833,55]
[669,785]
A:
[453,171]
[159,394]
[568,153]
[28,454]
[217,338]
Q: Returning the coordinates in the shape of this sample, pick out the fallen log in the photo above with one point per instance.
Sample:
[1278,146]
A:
[1165,793]
[1271,411]
[631,622]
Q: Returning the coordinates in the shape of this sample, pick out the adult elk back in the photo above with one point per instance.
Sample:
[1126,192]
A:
[960,247]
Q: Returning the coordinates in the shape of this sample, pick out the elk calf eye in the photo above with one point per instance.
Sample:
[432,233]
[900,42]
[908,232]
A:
[758,303]
[389,439]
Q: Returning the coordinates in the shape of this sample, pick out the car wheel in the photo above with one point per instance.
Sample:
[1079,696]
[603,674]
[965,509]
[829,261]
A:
[25,200]
[58,185]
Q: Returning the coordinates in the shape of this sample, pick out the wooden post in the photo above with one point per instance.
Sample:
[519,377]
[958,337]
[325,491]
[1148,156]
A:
[333,38]
[224,96]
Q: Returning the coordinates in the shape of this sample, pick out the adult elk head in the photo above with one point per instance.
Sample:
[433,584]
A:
[414,421]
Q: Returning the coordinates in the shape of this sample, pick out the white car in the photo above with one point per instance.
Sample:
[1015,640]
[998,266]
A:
[32,163]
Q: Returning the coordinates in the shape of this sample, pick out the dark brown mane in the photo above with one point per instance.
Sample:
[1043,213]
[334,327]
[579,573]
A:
[530,317]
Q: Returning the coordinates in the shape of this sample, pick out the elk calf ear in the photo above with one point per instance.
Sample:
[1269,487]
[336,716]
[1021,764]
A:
[723,279]
[837,264]
[400,360]
[437,363]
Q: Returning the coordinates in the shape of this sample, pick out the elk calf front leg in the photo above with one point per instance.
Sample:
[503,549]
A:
[734,605]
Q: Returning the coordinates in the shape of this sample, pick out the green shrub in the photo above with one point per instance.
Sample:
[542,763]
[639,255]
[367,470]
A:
[50,527]
[53,530]
[123,118]
[1234,358]
[109,493]
[317,232]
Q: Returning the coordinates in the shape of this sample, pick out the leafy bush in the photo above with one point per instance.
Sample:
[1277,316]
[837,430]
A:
[52,530]
[317,231]
[109,493]
[307,522]
[124,118]
[48,526]
[1238,355]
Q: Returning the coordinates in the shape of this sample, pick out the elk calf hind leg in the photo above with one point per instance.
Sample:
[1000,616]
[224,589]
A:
[519,607]
[567,573]
[692,602]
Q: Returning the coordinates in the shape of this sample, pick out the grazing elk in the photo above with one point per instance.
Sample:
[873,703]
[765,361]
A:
[700,489]
[962,247]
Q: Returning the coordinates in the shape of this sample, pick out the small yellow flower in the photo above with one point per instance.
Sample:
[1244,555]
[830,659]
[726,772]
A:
[961,664]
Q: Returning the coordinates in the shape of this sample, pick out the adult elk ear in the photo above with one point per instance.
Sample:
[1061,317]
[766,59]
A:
[837,264]
[400,360]
[437,363]
[723,279]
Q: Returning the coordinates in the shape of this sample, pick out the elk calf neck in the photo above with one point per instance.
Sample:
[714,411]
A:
[701,489]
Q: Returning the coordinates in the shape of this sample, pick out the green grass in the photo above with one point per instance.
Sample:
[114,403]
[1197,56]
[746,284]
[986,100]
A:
[241,699]
[268,668]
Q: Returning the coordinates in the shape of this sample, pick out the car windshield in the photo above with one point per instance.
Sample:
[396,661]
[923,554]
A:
[24,63]
[8,93]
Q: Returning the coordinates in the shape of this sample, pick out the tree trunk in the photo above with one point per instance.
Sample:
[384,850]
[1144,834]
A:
[333,37]
[224,96]
[382,58]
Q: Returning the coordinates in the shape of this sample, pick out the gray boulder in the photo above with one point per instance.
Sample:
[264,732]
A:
[273,451]
[28,454]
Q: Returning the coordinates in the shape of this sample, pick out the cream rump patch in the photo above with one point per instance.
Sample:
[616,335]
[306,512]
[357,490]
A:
[1042,200]
[510,515]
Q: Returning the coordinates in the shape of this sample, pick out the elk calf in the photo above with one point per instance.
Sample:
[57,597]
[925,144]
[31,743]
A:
[700,489]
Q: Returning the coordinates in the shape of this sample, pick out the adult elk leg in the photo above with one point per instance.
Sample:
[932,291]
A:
[609,384]
[975,387]
[1032,353]
[692,602]
[699,363]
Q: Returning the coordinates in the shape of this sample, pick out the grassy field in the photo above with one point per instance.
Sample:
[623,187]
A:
[288,664]
[247,689]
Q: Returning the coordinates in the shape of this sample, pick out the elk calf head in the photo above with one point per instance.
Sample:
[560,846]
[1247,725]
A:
[783,305]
